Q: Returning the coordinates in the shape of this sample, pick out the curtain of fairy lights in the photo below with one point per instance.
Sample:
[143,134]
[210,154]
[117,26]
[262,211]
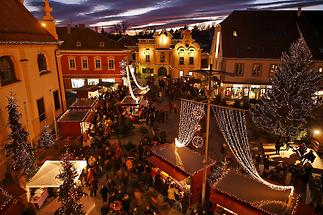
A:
[232,123]
[132,71]
[130,88]
[191,114]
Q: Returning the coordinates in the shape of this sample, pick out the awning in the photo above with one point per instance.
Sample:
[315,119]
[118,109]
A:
[175,173]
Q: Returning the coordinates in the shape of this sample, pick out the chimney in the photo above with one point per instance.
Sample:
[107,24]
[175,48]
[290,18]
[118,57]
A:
[96,28]
[68,28]
[299,10]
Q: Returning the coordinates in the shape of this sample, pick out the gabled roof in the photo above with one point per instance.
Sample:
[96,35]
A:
[265,34]
[89,40]
[17,24]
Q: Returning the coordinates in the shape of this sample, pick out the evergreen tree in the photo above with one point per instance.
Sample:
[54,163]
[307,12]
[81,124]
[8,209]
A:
[69,194]
[47,137]
[18,147]
[286,109]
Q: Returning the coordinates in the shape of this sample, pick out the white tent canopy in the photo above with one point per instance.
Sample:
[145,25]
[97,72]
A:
[46,175]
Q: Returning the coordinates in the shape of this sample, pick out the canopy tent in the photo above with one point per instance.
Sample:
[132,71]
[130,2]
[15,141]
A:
[87,103]
[46,175]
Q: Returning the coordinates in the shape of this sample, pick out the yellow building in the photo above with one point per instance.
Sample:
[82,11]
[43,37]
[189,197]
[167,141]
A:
[28,69]
[164,56]
[247,47]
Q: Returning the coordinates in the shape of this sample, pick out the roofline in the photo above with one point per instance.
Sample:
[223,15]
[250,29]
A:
[95,51]
[27,43]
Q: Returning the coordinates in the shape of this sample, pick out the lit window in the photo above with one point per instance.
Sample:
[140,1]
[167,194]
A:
[111,64]
[181,73]
[235,33]
[272,69]
[262,92]
[181,60]
[110,80]
[162,57]
[190,73]
[238,69]
[180,51]
[41,109]
[85,63]
[93,81]
[97,63]
[77,83]
[42,65]
[71,63]
[246,91]
[256,69]
[228,91]
[7,70]
[147,58]
[191,60]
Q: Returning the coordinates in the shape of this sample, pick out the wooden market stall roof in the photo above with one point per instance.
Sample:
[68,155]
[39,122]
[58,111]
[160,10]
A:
[138,91]
[128,101]
[189,161]
[84,103]
[245,192]
[175,173]
[76,115]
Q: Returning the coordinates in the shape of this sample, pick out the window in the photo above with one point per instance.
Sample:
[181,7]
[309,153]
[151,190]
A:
[235,33]
[7,70]
[147,58]
[97,63]
[111,64]
[238,69]
[272,69]
[71,63]
[181,73]
[109,80]
[77,83]
[41,109]
[162,57]
[42,65]
[92,81]
[85,63]
[320,69]
[228,91]
[191,60]
[190,73]
[256,69]
[56,100]
[181,60]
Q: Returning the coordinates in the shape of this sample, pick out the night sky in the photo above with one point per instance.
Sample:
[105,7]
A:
[156,13]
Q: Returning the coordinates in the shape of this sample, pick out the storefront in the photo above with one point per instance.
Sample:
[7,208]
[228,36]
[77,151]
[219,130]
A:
[183,167]
[240,91]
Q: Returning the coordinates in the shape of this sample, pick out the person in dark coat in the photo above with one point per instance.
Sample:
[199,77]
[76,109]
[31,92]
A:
[104,193]
[105,209]
[277,146]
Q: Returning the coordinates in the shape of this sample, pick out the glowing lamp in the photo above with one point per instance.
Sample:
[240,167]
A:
[43,24]
[316,132]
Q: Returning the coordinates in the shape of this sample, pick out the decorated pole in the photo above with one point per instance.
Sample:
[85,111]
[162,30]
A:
[206,154]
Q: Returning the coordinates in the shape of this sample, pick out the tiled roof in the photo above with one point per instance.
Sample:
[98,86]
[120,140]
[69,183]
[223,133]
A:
[265,34]
[89,40]
[17,24]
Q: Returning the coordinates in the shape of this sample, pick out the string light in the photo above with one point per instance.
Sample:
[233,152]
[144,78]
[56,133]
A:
[190,116]
[130,87]
[132,71]
[232,123]
[123,65]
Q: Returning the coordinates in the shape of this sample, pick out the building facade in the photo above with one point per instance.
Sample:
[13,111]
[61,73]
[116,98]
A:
[88,57]
[164,56]
[247,47]
[28,70]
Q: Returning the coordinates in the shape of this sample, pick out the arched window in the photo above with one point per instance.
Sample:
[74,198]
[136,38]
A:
[42,65]
[7,70]
[162,57]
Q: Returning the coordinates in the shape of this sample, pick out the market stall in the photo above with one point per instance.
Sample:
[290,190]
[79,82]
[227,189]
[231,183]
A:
[181,165]
[142,92]
[230,197]
[45,178]
[74,122]
[85,103]
[88,91]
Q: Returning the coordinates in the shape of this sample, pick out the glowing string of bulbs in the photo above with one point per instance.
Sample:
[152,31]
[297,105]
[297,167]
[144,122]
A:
[191,114]
[232,124]
[130,87]
[132,71]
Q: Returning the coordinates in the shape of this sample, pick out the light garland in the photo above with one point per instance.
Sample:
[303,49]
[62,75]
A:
[232,124]
[123,66]
[132,71]
[191,114]
[6,202]
[130,87]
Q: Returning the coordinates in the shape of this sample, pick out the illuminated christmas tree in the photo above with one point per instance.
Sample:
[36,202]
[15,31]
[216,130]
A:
[18,147]
[47,137]
[286,109]
[69,194]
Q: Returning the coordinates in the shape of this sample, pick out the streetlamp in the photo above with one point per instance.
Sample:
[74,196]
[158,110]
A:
[209,74]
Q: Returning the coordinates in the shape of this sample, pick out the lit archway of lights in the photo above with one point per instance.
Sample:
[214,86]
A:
[130,87]
[232,123]
[132,71]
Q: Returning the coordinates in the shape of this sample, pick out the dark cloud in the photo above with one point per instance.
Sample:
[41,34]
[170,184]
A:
[170,12]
